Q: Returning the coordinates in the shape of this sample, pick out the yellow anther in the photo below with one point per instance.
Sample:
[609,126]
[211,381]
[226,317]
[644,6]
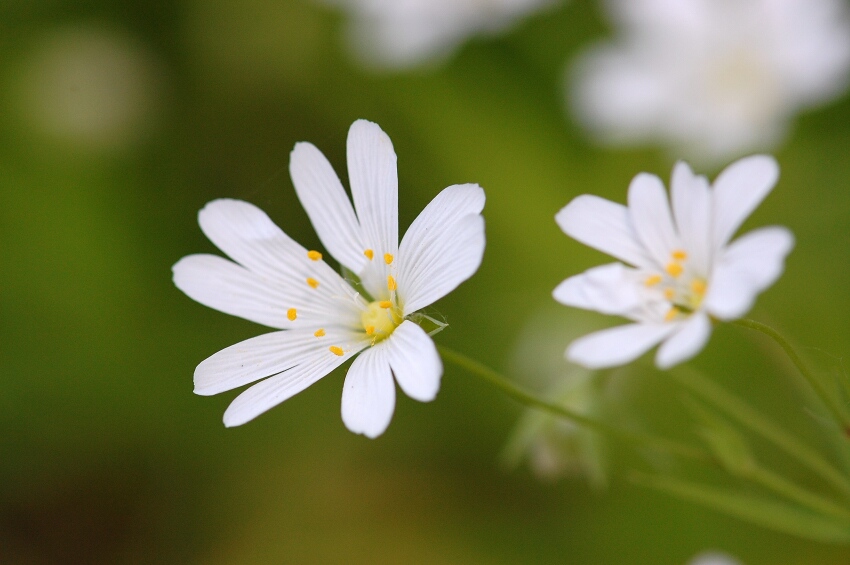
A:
[314,255]
[369,254]
[292,313]
[698,286]
[370,330]
[312,282]
[391,284]
[671,314]
[388,258]
[652,280]
[669,293]
[674,269]
[319,333]
[679,255]
[336,350]
[385,304]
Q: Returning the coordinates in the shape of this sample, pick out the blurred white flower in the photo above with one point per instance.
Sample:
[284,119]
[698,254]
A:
[712,79]
[405,33]
[89,85]
[552,446]
[683,271]
[713,558]
[325,321]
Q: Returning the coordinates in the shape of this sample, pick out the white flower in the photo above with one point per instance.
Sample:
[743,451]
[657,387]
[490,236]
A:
[325,321]
[683,271]
[713,79]
[405,33]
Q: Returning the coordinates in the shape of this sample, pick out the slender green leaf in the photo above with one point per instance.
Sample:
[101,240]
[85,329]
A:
[762,511]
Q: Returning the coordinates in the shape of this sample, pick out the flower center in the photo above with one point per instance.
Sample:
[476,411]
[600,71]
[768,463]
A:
[380,319]
[680,287]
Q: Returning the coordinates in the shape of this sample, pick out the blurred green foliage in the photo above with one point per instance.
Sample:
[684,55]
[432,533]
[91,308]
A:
[106,456]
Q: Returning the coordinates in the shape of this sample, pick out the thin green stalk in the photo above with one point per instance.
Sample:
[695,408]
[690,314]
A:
[528,399]
[749,417]
[784,487]
[839,414]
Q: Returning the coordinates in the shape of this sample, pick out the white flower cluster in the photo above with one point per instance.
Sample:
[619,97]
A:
[712,79]
[405,33]
[679,272]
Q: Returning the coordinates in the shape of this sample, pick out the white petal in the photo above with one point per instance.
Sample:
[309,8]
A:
[738,190]
[691,199]
[269,393]
[685,343]
[323,197]
[227,287]
[368,396]
[374,186]
[415,362]
[650,215]
[255,358]
[442,248]
[749,265]
[617,346]
[249,237]
[608,289]
[603,225]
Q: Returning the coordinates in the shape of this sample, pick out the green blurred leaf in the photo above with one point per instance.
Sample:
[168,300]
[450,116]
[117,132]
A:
[765,512]
[726,442]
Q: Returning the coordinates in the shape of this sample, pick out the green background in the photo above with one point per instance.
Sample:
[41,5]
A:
[106,456]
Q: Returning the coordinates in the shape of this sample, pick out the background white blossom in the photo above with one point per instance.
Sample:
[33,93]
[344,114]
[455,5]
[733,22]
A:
[404,33]
[711,79]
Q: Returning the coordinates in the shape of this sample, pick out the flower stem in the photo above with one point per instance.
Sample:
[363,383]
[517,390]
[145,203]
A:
[828,400]
[528,399]
[749,417]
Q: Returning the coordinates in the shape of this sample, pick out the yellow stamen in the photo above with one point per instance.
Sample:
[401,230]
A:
[698,286]
[388,258]
[385,304]
[369,254]
[652,280]
[292,314]
[671,314]
[319,333]
[314,255]
[669,293]
[336,350]
[312,282]
[674,269]
[391,284]
[679,255]
[370,330]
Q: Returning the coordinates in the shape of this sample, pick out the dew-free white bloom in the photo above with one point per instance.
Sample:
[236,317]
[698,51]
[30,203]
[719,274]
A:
[324,321]
[712,79]
[405,33]
[681,270]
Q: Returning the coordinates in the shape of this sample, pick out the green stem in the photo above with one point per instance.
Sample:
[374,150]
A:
[828,400]
[784,487]
[523,397]
[746,415]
